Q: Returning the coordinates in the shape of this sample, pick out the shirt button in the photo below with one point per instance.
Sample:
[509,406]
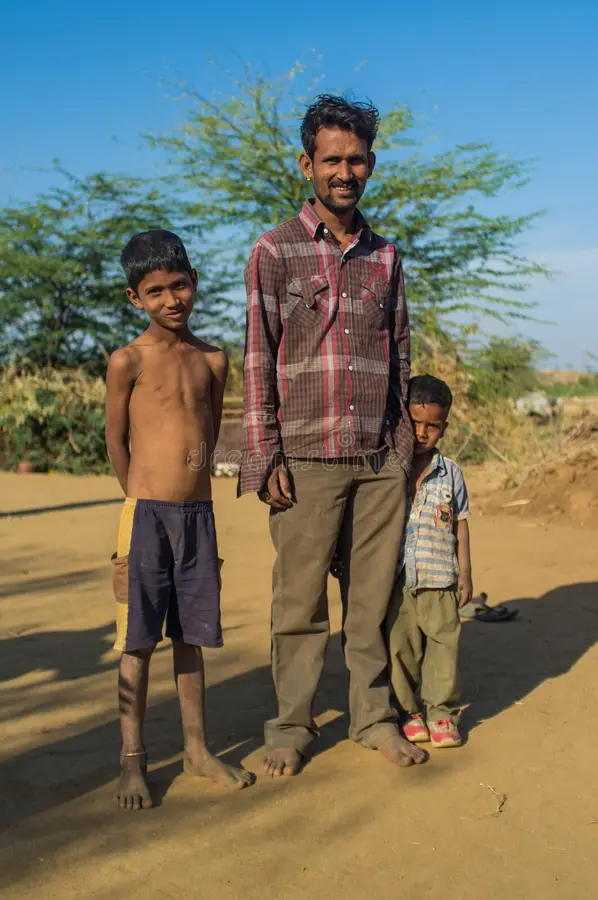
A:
[351,407]
[344,294]
[350,368]
[346,331]
[381,306]
[325,231]
[388,421]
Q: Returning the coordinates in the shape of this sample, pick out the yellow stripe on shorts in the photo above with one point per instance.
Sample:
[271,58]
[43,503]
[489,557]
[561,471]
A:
[123,546]
[125,528]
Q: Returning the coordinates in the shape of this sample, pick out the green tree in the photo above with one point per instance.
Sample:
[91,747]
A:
[236,154]
[62,300]
[505,368]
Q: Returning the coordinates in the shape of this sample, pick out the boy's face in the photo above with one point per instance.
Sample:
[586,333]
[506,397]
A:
[167,297]
[429,425]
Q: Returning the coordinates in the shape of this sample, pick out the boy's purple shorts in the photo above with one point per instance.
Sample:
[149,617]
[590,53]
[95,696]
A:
[166,568]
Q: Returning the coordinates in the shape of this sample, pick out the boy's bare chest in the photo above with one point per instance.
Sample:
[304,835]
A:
[172,381]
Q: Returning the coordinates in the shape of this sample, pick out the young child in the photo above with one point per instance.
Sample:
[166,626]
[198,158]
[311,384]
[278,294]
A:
[164,395]
[422,624]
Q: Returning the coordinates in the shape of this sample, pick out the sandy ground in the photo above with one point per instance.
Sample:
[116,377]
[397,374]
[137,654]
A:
[350,826]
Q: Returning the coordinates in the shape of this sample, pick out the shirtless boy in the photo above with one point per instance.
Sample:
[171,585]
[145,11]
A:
[164,395]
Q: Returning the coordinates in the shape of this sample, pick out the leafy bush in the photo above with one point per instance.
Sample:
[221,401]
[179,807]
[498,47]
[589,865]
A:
[504,368]
[54,419]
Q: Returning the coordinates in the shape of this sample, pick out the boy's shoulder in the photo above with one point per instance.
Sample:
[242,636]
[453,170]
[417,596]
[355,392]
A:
[215,357]
[129,356]
[124,361]
[453,469]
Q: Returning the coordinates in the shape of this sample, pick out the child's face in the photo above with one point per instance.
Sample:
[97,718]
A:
[429,424]
[167,297]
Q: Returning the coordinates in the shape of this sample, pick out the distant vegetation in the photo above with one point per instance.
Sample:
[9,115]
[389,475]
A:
[233,173]
[53,417]
[583,385]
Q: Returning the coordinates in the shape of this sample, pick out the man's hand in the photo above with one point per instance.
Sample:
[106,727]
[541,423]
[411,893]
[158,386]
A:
[465,589]
[277,492]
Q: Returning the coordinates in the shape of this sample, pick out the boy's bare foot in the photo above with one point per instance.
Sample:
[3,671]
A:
[204,765]
[132,791]
[282,761]
[400,752]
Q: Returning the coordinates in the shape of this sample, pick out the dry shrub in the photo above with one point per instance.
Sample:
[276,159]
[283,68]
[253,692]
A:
[234,383]
[560,484]
[482,430]
[576,447]
[478,432]
[55,418]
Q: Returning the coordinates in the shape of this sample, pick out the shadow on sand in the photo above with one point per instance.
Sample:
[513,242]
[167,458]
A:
[501,664]
[37,511]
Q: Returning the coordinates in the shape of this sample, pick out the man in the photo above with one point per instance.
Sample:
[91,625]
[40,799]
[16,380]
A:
[327,439]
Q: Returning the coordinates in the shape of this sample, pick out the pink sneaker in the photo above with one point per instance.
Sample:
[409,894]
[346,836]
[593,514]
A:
[416,730]
[444,734]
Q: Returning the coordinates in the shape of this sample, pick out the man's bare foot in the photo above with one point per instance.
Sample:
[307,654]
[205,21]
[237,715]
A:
[132,791]
[204,765]
[400,752]
[282,761]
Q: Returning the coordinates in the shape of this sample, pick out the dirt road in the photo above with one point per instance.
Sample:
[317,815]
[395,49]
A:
[350,826]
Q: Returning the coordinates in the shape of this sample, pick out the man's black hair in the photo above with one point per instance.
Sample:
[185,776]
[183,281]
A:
[149,251]
[330,111]
[424,389]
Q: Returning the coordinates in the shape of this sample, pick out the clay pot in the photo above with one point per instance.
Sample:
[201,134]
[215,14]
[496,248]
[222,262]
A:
[25,468]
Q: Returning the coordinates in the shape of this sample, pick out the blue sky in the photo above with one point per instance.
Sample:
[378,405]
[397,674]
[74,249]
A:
[81,82]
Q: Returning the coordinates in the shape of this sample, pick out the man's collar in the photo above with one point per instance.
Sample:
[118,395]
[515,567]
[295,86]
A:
[314,225]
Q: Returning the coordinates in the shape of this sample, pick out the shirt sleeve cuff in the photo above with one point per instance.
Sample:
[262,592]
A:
[255,470]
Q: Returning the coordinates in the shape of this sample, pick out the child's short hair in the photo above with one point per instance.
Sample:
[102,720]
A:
[149,251]
[424,389]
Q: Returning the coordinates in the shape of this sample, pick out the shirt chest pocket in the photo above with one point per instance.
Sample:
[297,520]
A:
[375,301]
[307,303]
[440,501]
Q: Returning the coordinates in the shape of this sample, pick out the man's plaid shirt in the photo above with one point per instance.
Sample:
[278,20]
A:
[327,356]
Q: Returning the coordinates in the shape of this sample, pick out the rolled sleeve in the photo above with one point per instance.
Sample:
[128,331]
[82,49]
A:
[261,433]
[400,355]
[400,368]
[460,495]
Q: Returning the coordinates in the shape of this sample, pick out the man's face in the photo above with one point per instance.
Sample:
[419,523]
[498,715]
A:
[167,297]
[429,425]
[340,169]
